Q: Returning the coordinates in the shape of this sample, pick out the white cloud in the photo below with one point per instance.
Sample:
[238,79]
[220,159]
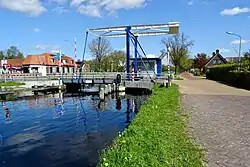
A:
[36,30]
[59,1]
[60,9]
[95,8]
[47,47]
[237,42]
[77,2]
[190,2]
[224,50]
[235,11]
[90,10]
[32,7]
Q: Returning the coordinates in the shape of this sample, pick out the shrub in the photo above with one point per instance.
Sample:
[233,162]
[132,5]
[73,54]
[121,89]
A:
[230,74]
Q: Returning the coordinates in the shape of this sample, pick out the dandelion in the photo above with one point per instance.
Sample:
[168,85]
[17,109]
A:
[106,164]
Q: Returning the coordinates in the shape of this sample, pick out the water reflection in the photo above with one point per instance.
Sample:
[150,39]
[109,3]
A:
[58,104]
[61,130]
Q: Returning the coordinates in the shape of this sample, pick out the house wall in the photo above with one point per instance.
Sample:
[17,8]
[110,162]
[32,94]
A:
[215,61]
[40,69]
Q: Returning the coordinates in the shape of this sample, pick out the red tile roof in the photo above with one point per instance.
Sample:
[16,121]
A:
[46,59]
[15,62]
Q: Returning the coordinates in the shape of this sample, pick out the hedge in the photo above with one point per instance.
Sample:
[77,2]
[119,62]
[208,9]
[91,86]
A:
[230,75]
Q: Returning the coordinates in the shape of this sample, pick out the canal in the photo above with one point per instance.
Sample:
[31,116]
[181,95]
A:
[62,130]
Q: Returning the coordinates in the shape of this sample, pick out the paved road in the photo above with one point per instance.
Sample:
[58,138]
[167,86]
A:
[220,121]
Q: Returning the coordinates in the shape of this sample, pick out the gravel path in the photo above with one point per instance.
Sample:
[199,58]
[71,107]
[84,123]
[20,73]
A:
[220,121]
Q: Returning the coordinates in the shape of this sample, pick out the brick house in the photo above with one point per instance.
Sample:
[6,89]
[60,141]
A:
[44,64]
[216,59]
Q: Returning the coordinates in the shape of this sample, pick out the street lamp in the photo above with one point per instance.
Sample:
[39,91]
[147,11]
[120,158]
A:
[74,51]
[231,33]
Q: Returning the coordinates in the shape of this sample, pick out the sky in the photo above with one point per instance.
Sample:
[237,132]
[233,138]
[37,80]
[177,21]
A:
[37,26]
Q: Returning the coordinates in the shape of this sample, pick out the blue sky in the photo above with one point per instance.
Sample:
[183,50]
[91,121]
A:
[42,25]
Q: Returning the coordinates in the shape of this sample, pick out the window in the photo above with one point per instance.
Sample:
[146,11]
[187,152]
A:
[72,61]
[65,61]
[214,61]
[218,61]
[52,60]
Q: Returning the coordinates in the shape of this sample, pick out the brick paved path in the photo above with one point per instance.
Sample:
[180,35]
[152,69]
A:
[220,121]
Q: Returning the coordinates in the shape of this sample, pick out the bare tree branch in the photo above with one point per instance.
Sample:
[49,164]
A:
[99,48]
[180,45]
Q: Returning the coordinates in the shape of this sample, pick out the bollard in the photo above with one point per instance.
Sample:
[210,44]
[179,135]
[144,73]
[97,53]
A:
[106,89]
[165,83]
[101,94]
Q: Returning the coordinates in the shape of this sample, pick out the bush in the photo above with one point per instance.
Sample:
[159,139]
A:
[230,75]
[11,83]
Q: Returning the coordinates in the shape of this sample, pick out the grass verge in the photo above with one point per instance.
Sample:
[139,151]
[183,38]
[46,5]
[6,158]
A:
[157,137]
[11,83]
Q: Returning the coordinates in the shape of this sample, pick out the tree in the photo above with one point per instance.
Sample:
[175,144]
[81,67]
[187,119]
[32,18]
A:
[246,58]
[186,64]
[200,61]
[13,52]
[117,60]
[179,49]
[99,48]
[2,54]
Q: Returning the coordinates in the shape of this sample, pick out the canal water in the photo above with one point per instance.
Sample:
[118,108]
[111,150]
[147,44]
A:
[60,130]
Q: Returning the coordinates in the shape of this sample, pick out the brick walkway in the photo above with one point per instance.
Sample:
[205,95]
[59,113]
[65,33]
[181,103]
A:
[220,121]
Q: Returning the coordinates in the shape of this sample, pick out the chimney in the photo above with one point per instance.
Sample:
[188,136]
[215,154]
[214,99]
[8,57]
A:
[217,51]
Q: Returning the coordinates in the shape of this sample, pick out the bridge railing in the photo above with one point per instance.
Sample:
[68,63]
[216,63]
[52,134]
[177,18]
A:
[87,75]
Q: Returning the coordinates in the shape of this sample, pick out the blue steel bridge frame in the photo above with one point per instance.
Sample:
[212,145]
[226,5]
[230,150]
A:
[131,33]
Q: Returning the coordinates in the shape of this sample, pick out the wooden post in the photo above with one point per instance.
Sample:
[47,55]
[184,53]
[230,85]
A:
[106,89]
[109,88]
[101,94]
[114,87]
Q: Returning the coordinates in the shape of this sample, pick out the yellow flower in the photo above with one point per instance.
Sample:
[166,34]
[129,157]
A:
[106,164]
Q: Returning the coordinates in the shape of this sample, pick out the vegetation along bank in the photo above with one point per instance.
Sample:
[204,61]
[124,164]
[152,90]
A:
[156,137]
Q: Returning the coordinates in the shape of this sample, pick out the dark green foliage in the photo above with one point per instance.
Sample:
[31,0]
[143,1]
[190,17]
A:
[11,53]
[230,74]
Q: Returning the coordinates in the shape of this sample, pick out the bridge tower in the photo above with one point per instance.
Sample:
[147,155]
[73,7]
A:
[131,33]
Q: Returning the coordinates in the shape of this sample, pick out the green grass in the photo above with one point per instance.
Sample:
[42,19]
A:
[157,137]
[11,83]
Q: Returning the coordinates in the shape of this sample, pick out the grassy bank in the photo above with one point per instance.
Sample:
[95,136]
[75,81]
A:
[11,83]
[157,137]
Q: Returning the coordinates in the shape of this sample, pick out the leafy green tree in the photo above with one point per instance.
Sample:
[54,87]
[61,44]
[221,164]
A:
[200,61]
[186,64]
[13,52]
[179,49]
[2,54]
[117,60]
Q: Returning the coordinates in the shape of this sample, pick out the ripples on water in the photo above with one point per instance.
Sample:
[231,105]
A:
[61,131]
